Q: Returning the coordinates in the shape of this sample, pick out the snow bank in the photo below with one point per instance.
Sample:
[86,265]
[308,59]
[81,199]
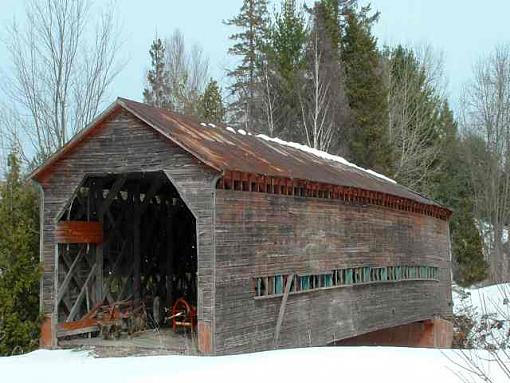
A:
[488,310]
[356,364]
[325,155]
[486,300]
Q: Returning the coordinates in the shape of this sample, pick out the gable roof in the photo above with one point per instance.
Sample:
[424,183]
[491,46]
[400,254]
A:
[224,149]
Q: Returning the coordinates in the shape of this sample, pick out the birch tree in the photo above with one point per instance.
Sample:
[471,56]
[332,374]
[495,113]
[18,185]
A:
[322,99]
[269,91]
[62,67]
[315,102]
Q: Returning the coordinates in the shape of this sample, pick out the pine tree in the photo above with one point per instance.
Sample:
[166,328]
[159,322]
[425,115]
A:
[288,37]
[330,14]
[369,144]
[249,45]
[210,105]
[19,266]
[283,63]
[157,91]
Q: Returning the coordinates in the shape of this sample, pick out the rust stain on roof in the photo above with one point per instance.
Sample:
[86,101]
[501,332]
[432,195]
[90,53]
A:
[224,150]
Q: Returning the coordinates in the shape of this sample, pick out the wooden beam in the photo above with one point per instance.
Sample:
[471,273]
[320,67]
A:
[137,261]
[114,271]
[78,282]
[170,242]
[76,306]
[77,331]
[117,185]
[155,186]
[79,232]
[99,274]
[70,273]
[124,286]
[282,310]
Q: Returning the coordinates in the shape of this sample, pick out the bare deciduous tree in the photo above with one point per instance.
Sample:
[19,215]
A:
[322,100]
[269,97]
[188,73]
[486,116]
[483,329]
[414,100]
[59,77]
[316,108]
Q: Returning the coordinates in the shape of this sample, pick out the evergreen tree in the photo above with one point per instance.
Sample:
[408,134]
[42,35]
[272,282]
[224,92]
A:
[19,267]
[369,144]
[157,91]
[288,36]
[210,105]
[452,187]
[249,45]
[284,63]
[330,15]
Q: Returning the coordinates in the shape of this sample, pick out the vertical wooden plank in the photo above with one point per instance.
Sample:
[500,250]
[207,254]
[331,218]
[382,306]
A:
[282,310]
[98,288]
[136,247]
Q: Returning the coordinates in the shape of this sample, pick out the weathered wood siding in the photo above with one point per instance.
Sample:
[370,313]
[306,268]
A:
[125,144]
[261,234]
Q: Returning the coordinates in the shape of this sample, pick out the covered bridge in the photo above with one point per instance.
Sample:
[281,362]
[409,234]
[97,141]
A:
[275,244]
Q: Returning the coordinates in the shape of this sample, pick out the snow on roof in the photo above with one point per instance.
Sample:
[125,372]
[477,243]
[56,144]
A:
[226,149]
[322,154]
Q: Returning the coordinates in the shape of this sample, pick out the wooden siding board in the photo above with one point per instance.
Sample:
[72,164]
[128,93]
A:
[260,234]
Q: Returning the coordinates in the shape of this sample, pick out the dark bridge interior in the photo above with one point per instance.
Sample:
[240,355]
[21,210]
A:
[147,254]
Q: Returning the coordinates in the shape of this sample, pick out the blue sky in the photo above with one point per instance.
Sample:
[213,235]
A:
[464,30]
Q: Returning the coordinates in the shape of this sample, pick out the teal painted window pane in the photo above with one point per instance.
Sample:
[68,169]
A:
[384,274]
[278,284]
[348,276]
[267,286]
[305,282]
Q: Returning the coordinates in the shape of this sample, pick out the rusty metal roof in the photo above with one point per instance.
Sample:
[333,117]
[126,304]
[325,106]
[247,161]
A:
[224,150]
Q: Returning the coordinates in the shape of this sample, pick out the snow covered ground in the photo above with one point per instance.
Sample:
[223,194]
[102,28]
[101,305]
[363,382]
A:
[486,300]
[325,364]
